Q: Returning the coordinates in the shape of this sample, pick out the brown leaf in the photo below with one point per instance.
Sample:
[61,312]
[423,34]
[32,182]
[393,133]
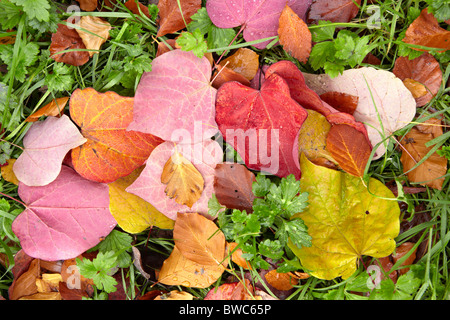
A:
[244,61]
[334,11]
[199,239]
[7,172]
[425,31]
[342,102]
[400,252]
[163,48]
[54,108]
[171,19]
[184,182]
[432,170]
[236,256]
[99,29]
[132,5]
[224,74]
[43,296]
[426,74]
[25,285]
[294,35]
[66,38]
[88,5]
[175,295]
[233,186]
[349,148]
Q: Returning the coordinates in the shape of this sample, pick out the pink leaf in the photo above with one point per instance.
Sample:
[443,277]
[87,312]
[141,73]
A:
[175,101]
[64,218]
[204,156]
[45,146]
[259,18]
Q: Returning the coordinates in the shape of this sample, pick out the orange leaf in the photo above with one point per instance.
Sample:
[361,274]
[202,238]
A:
[280,281]
[111,151]
[294,34]
[55,108]
[349,148]
[425,31]
[100,29]
[430,172]
[132,5]
[425,73]
[244,61]
[225,74]
[341,101]
[88,5]
[401,251]
[171,19]
[236,256]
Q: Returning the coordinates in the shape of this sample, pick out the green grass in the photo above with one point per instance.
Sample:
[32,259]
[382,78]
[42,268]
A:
[132,43]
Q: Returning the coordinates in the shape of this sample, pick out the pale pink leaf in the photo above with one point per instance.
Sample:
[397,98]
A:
[175,101]
[259,18]
[45,145]
[203,155]
[64,218]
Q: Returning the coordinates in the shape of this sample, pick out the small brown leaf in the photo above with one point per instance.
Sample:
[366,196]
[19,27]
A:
[25,285]
[171,19]
[175,295]
[294,35]
[244,61]
[132,5]
[66,38]
[236,256]
[88,5]
[43,296]
[8,172]
[432,170]
[401,251]
[425,31]
[334,11]
[184,182]
[97,35]
[54,108]
[233,186]
[224,74]
[342,102]
[417,89]
[280,281]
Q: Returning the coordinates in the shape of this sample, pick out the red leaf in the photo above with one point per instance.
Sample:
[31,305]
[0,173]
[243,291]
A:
[170,15]
[334,11]
[270,119]
[341,101]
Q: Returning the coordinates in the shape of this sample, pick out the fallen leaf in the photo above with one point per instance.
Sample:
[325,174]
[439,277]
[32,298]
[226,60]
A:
[236,256]
[400,252]
[232,291]
[340,101]
[67,38]
[163,48]
[244,61]
[349,148]
[25,284]
[111,151]
[269,118]
[75,286]
[204,156]
[298,89]
[431,172]
[97,32]
[184,182]
[334,11]
[259,19]
[8,172]
[280,281]
[46,144]
[224,74]
[179,85]
[64,218]
[132,213]
[312,138]
[233,186]
[381,95]
[88,5]
[178,270]
[43,296]
[134,6]
[425,31]
[170,18]
[345,221]
[175,295]
[294,34]
[426,73]
[54,108]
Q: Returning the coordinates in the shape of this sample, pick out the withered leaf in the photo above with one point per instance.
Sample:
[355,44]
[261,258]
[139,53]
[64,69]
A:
[54,108]
[171,19]
[66,38]
[97,35]
[334,11]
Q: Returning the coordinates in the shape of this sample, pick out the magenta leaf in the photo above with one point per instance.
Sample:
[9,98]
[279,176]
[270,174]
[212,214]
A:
[175,101]
[64,218]
[204,156]
[259,18]
[45,145]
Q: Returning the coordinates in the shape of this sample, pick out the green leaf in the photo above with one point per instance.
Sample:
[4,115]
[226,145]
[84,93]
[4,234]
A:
[272,249]
[439,8]
[99,270]
[201,21]
[194,42]
[261,186]
[444,152]
[117,242]
[214,206]
[219,38]
[10,14]
[35,8]
[325,32]
[321,53]
[61,79]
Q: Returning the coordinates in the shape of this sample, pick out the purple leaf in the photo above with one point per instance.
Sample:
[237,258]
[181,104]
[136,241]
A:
[259,18]
[64,218]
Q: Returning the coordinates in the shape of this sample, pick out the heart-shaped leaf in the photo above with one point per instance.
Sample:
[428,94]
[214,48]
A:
[64,218]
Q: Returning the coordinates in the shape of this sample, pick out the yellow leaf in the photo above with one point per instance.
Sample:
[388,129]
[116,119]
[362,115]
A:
[175,295]
[345,221]
[178,270]
[97,32]
[132,213]
[184,182]
[8,173]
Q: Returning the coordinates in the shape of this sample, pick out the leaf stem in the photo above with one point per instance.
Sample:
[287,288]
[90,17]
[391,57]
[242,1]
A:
[12,198]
